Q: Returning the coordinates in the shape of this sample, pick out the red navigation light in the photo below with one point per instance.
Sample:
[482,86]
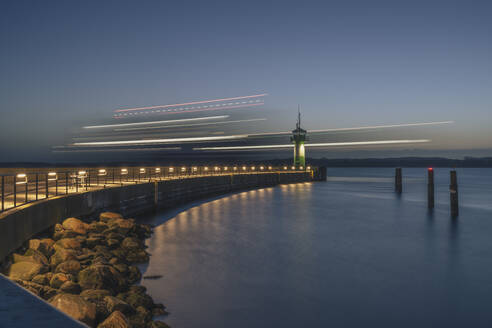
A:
[430,169]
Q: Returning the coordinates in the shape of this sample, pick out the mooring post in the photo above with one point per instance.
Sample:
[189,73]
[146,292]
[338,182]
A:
[430,188]
[453,194]
[398,184]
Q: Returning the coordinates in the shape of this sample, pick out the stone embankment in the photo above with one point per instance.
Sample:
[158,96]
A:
[86,270]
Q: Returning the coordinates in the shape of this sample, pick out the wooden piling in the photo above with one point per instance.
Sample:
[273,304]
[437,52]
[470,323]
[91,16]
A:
[398,178]
[453,194]
[430,188]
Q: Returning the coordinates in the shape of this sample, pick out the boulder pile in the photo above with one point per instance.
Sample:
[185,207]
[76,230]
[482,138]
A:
[87,271]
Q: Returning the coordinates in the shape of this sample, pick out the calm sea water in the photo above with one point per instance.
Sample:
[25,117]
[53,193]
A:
[345,253]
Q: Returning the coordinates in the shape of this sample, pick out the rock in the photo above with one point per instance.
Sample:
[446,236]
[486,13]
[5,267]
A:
[120,253]
[140,256]
[75,225]
[123,226]
[157,311]
[48,292]
[64,234]
[138,321]
[121,267]
[71,266]
[116,304]
[41,279]
[93,241]
[134,274]
[107,216]
[112,243]
[158,324]
[67,243]
[137,298]
[97,227]
[45,246]
[30,286]
[58,280]
[70,287]
[101,277]
[26,270]
[94,295]
[115,235]
[144,313]
[37,256]
[131,243]
[76,307]
[62,255]
[115,320]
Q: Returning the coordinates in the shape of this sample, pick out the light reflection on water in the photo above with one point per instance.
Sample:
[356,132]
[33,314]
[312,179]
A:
[336,254]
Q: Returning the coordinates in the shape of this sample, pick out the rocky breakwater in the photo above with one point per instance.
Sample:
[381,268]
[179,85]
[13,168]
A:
[86,270]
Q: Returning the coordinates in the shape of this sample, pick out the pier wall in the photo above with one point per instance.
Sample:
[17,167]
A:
[22,223]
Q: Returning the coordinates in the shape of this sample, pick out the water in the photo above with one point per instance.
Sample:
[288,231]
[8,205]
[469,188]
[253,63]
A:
[346,253]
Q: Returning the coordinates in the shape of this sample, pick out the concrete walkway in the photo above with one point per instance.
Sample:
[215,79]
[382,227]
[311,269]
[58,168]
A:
[21,309]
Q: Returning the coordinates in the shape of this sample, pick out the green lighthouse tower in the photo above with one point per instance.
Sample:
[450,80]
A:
[298,138]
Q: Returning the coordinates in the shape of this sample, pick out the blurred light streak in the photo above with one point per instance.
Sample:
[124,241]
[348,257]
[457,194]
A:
[147,141]
[190,125]
[180,111]
[116,150]
[157,122]
[357,128]
[328,144]
[190,103]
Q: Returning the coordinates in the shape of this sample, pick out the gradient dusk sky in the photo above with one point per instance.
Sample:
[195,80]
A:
[348,63]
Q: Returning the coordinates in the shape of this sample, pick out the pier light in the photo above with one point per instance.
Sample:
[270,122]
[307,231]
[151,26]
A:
[253,168]
[285,167]
[124,171]
[21,178]
[216,168]
[183,169]
[235,168]
[244,168]
[293,168]
[261,168]
[52,176]
[195,168]
[142,170]
[171,169]
[225,168]
[205,168]
[269,168]
[301,168]
[308,168]
[102,172]
[157,170]
[430,169]
[82,173]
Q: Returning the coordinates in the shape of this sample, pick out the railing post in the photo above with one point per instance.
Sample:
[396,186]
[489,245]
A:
[15,191]
[3,193]
[56,186]
[27,190]
[113,174]
[430,188]
[37,186]
[66,183]
[398,178]
[47,186]
[453,194]
[76,183]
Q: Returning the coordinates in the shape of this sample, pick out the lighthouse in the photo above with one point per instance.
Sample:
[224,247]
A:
[298,138]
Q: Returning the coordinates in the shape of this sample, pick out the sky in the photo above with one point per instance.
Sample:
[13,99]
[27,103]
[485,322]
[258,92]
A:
[64,64]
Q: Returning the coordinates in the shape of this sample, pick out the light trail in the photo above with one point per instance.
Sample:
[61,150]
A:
[185,110]
[328,144]
[150,141]
[115,150]
[190,103]
[356,128]
[190,125]
[157,122]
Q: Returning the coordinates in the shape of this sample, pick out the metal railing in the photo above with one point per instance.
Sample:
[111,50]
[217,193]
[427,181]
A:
[17,189]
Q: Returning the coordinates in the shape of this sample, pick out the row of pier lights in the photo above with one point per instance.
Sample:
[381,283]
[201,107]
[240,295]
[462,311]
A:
[453,189]
[41,184]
